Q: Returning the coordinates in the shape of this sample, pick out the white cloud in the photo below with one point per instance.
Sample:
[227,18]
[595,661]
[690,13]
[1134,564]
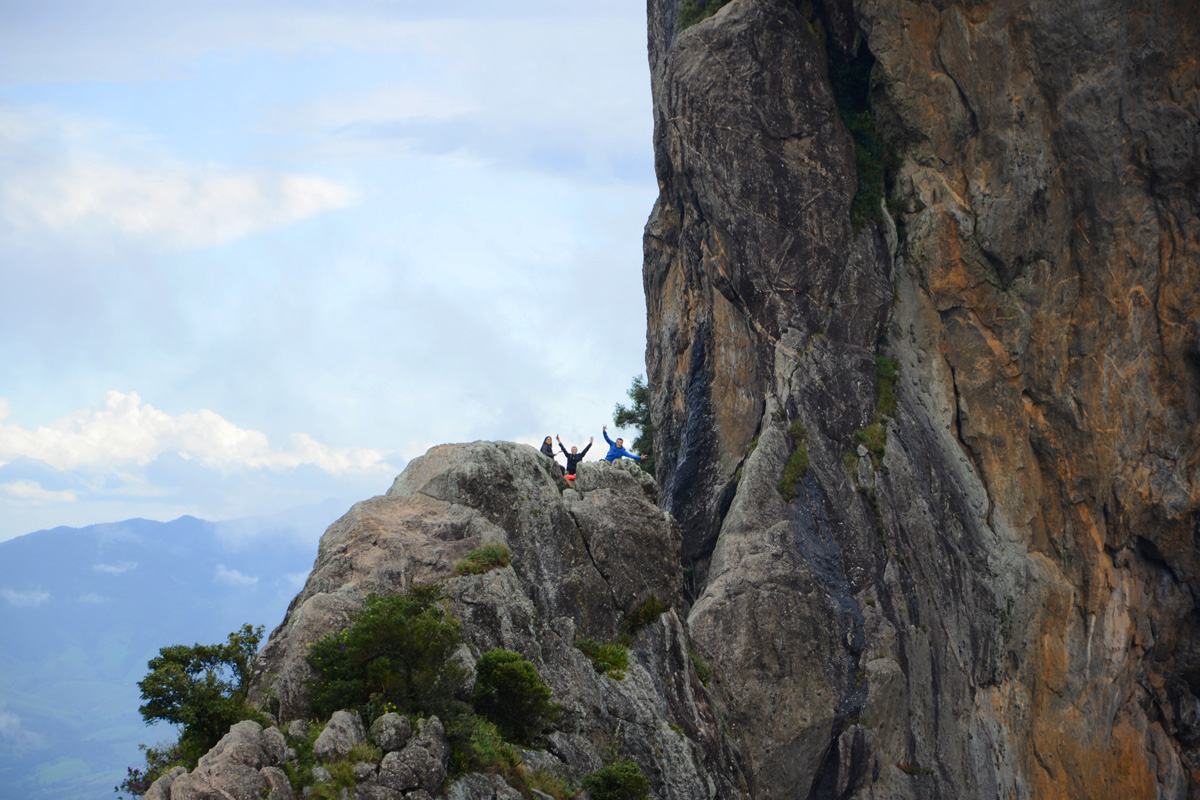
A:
[124,429]
[387,104]
[119,568]
[233,577]
[57,176]
[91,598]
[12,729]
[28,599]
[32,492]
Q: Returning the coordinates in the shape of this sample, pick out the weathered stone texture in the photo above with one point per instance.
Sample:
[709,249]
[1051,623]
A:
[582,558]
[1005,601]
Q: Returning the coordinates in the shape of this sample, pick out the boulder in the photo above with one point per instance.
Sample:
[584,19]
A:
[161,788]
[390,731]
[343,732]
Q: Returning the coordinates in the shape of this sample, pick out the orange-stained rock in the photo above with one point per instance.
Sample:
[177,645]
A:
[1010,586]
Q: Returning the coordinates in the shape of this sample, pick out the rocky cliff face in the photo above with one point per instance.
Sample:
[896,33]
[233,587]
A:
[582,559]
[990,591]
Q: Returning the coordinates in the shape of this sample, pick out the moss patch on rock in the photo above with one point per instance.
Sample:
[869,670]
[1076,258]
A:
[797,464]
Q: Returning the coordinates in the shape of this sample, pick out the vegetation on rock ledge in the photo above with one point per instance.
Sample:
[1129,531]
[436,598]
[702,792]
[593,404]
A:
[645,613]
[797,464]
[510,693]
[608,659]
[693,11]
[874,436]
[399,649]
[483,559]
[620,781]
[202,689]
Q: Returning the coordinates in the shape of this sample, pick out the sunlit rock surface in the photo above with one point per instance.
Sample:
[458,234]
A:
[1003,605]
[582,559]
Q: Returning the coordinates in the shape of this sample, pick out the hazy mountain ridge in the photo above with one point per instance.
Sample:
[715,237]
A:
[83,609]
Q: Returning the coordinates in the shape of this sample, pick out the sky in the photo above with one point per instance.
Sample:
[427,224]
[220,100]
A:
[255,254]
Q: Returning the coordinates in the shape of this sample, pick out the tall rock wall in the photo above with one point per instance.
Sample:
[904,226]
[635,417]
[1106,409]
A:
[1001,604]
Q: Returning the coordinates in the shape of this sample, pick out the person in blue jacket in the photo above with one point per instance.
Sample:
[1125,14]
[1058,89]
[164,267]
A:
[617,449]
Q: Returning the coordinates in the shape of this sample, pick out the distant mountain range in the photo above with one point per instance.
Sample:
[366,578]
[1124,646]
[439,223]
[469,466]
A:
[83,609]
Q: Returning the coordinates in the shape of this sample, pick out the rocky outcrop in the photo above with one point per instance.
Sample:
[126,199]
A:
[582,560]
[242,766]
[999,600]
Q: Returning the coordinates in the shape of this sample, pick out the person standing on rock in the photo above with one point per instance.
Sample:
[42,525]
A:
[548,452]
[617,449]
[573,457]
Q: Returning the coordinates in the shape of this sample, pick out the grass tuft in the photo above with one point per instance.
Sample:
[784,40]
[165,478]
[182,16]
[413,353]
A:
[797,464]
[608,659]
[693,11]
[645,613]
[483,559]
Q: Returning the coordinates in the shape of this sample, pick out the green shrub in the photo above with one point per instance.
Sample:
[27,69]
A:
[299,769]
[874,436]
[398,649]
[644,614]
[692,11]
[797,464]
[477,746]
[608,659]
[869,157]
[620,781]
[510,693]
[202,689]
[703,670]
[483,559]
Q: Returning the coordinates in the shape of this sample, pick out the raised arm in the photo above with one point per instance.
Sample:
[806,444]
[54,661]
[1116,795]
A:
[605,432]
[560,447]
[583,452]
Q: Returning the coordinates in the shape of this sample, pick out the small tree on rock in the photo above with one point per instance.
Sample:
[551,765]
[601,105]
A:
[638,416]
[510,693]
[399,649]
[201,688]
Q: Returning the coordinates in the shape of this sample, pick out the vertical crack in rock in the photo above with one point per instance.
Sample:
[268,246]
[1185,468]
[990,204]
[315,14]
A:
[1021,543]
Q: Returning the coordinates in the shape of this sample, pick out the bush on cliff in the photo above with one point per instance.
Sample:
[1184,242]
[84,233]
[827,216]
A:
[202,689]
[797,464]
[645,613]
[692,11]
[620,781]
[510,693]
[398,649]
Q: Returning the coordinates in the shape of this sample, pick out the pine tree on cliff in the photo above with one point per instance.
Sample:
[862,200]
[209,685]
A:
[638,416]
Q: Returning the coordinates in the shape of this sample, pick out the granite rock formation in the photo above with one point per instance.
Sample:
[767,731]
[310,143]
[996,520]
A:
[582,559]
[994,596]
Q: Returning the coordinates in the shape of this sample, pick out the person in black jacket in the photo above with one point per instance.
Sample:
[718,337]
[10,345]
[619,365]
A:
[548,452]
[573,457]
